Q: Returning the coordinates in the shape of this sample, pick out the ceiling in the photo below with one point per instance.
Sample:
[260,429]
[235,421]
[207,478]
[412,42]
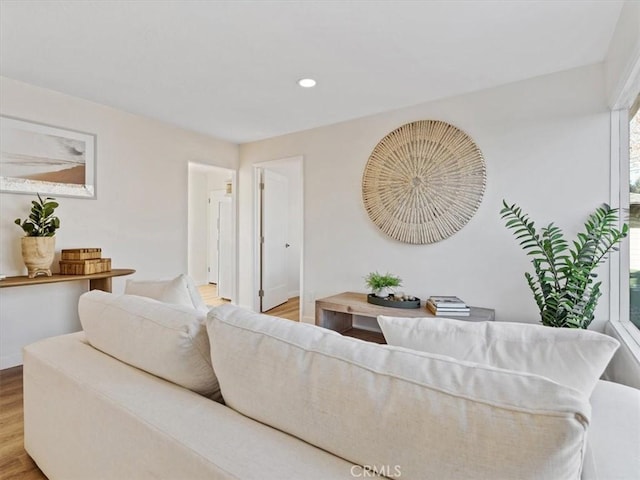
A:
[229,68]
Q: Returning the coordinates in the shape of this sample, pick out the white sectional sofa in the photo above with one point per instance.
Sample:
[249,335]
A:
[301,402]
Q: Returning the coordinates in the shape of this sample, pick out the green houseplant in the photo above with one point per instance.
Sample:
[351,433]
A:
[564,285]
[38,244]
[41,222]
[382,285]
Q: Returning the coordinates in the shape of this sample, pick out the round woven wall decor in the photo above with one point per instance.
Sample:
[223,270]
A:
[423,182]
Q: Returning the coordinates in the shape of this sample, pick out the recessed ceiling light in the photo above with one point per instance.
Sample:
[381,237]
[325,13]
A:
[307,82]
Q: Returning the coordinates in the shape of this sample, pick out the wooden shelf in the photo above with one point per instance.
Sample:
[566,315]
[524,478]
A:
[337,312]
[97,281]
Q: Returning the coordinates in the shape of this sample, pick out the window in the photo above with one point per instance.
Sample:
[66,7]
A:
[634,213]
[624,314]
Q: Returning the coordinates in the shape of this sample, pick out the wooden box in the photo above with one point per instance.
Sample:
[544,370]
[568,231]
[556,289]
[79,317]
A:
[81,254]
[85,267]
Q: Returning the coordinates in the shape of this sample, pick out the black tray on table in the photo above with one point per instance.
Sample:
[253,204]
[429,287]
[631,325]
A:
[384,302]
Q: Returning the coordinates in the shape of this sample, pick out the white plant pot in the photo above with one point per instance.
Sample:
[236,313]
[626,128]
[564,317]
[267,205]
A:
[37,254]
[383,292]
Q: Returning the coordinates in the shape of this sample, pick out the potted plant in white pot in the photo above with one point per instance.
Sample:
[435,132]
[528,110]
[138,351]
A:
[564,286]
[382,285]
[39,243]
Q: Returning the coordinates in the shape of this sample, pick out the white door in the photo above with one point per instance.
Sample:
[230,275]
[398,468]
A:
[225,248]
[274,226]
[214,235]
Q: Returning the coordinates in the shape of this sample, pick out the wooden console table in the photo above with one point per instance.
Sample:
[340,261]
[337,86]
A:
[336,313]
[97,281]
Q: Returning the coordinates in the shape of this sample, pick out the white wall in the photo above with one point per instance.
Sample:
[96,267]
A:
[139,218]
[546,145]
[621,65]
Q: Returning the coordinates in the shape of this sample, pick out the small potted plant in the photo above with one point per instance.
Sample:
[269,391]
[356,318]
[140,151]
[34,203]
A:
[382,285]
[38,244]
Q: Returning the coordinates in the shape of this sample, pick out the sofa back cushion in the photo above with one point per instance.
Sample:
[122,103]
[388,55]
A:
[169,341]
[569,356]
[395,410]
[181,290]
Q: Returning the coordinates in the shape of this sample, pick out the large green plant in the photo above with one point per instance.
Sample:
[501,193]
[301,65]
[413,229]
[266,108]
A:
[41,222]
[564,285]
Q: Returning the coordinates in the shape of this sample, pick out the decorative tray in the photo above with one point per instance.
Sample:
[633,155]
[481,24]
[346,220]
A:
[385,302]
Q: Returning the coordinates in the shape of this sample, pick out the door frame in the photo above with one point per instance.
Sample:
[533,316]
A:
[205,168]
[257,219]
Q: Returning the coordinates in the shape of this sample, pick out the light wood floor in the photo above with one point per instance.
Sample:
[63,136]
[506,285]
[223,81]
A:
[209,294]
[289,310]
[14,461]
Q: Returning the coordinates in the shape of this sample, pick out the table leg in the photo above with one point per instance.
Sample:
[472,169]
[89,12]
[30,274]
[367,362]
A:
[103,284]
[338,321]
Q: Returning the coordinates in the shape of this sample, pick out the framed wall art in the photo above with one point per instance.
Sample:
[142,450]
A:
[39,158]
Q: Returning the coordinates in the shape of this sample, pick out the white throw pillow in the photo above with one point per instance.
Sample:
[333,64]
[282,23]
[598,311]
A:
[572,357]
[399,411]
[180,291]
[169,341]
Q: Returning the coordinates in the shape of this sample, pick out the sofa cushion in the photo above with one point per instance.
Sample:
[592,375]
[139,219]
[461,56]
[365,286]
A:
[167,340]
[568,356]
[390,408]
[181,290]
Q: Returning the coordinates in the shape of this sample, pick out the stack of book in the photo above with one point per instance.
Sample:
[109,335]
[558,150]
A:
[447,306]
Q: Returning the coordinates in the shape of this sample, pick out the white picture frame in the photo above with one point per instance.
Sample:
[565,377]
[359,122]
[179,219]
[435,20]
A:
[40,158]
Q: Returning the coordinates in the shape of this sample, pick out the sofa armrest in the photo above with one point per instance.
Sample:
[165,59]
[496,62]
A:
[614,434]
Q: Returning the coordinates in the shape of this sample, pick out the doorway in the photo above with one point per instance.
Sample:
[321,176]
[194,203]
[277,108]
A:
[279,232]
[212,240]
